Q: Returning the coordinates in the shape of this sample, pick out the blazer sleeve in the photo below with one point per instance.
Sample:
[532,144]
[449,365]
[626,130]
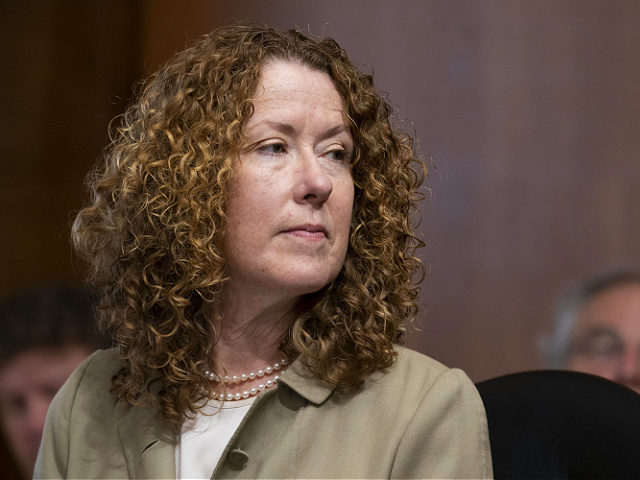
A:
[53,455]
[448,435]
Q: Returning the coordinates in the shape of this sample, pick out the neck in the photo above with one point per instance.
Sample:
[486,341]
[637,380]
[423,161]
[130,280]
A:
[252,330]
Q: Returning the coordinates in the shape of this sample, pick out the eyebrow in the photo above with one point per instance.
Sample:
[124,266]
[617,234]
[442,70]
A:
[335,130]
[281,127]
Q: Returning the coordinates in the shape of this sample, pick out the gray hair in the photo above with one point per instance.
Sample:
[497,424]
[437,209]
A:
[556,347]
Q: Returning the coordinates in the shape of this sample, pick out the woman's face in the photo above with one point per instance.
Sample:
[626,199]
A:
[290,202]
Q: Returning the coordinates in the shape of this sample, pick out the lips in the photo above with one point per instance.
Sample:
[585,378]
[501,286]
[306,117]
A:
[311,231]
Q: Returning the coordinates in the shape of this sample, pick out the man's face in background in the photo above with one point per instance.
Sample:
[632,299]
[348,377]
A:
[606,336]
[28,382]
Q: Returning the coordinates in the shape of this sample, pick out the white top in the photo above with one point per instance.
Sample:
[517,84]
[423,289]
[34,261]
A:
[204,438]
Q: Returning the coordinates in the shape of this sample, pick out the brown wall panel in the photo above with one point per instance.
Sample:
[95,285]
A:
[528,109]
[67,72]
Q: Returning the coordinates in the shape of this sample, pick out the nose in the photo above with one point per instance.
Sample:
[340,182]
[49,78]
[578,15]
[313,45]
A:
[36,413]
[629,367]
[312,184]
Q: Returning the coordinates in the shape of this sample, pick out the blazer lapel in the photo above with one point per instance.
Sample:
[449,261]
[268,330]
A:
[148,446]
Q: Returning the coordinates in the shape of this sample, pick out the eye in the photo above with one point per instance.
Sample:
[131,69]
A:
[16,404]
[339,155]
[276,148]
[600,344]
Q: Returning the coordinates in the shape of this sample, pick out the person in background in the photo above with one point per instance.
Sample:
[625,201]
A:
[46,332]
[597,328]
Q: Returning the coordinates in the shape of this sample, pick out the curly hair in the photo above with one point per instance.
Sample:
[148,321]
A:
[153,231]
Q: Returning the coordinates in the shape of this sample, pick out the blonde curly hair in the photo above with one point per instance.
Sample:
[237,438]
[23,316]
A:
[153,232]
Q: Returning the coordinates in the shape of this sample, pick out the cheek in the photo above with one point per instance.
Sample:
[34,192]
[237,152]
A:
[593,367]
[345,205]
[252,214]
[242,206]
[252,187]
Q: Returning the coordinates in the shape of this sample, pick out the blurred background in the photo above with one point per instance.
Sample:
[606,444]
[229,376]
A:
[528,111]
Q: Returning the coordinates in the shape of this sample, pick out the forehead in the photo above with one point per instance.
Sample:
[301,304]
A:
[40,365]
[291,81]
[617,308]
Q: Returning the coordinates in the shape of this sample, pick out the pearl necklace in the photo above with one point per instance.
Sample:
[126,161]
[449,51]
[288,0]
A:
[268,370]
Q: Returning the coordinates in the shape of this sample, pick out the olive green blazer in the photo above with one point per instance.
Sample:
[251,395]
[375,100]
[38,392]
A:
[419,419]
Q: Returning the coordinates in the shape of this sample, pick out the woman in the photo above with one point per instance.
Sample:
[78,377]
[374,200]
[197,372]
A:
[250,237]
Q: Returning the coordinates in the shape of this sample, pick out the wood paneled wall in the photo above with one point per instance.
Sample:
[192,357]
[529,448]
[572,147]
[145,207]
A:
[67,70]
[528,109]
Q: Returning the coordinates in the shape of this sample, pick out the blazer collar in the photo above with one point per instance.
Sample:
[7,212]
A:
[148,444]
[299,379]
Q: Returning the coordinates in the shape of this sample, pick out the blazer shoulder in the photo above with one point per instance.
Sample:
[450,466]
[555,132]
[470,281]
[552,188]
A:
[415,376]
[85,391]
[101,366]
[412,359]
[416,369]
[94,372]
[88,386]
[443,410]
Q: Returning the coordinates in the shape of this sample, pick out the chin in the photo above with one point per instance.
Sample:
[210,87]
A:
[305,284]
[306,288]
